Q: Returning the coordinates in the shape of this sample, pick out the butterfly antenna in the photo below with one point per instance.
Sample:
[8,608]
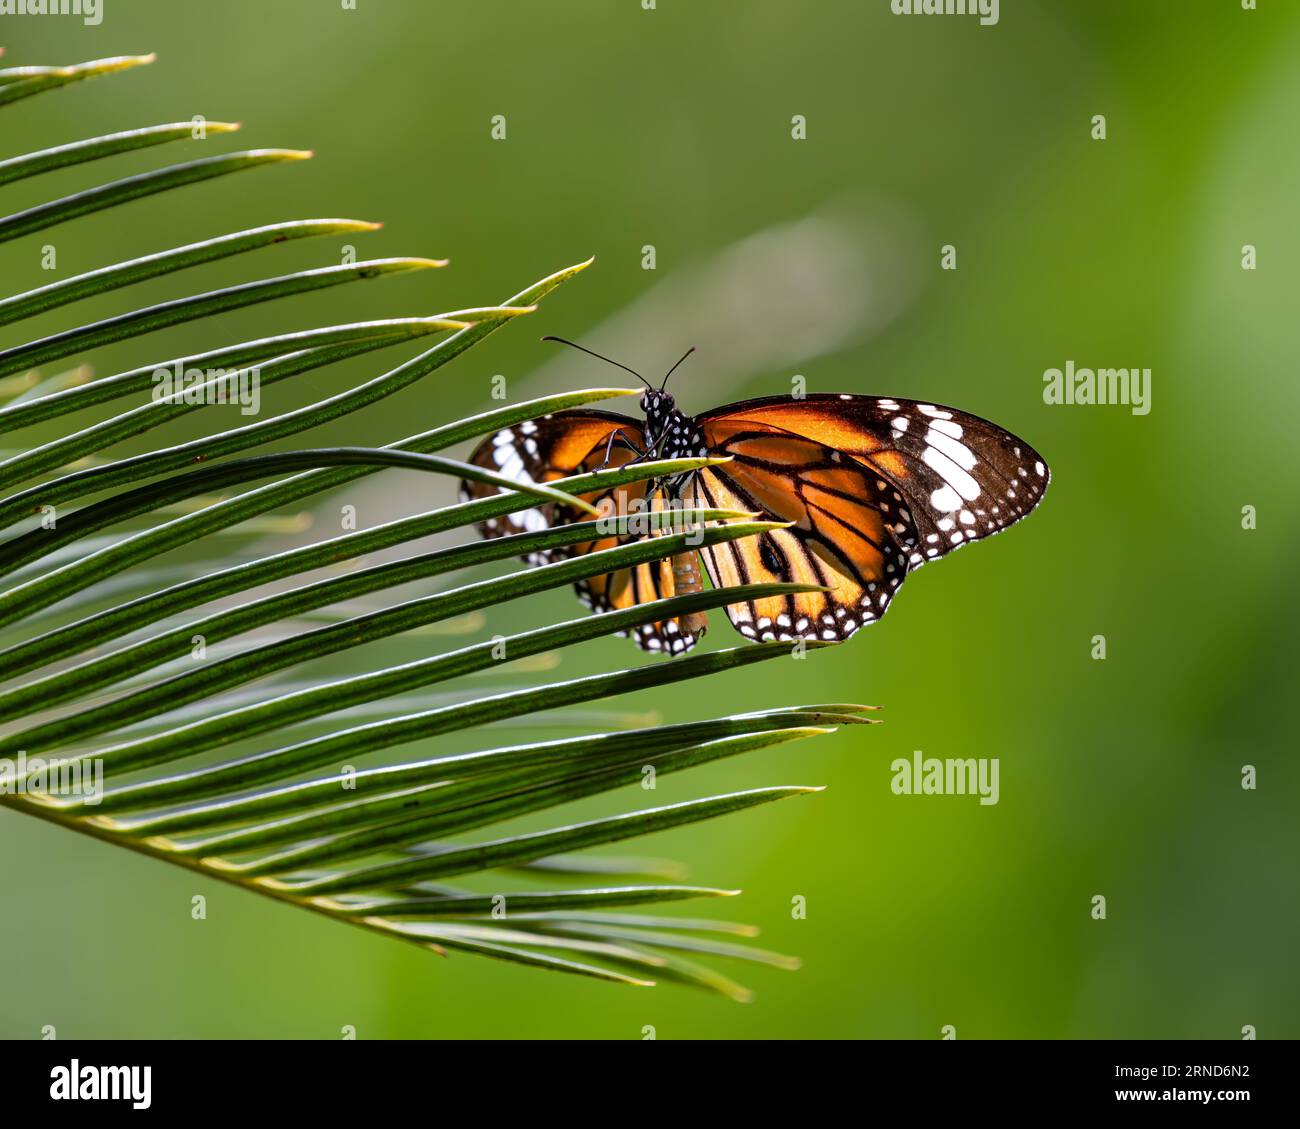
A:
[602,357]
[674,368]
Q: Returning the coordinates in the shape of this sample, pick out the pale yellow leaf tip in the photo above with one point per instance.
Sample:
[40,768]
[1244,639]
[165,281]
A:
[119,63]
[577,268]
[281,154]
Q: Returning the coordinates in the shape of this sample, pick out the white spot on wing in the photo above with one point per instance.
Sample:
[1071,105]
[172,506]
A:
[962,455]
[957,479]
[945,499]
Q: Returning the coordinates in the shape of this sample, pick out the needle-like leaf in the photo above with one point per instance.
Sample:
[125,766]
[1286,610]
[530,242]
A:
[230,764]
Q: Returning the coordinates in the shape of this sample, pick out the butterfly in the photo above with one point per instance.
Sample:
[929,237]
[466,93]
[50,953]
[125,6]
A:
[874,487]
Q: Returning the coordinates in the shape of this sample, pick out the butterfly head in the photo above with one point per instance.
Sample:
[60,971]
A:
[658,407]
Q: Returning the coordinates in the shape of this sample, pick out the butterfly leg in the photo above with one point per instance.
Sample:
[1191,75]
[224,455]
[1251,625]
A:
[609,449]
[649,452]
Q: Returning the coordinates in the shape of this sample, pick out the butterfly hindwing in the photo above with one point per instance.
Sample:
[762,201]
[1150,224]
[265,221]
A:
[653,580]
[561,445]
[850,532]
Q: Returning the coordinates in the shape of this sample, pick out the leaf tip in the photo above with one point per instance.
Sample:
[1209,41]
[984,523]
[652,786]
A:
[121,63]
[278,154]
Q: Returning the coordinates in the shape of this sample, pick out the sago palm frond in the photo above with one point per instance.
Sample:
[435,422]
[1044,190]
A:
[239,765]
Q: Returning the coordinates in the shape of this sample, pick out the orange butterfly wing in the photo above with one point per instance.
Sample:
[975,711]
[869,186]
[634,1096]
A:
[569,443]
[875,487]
[543,450]
[850,532]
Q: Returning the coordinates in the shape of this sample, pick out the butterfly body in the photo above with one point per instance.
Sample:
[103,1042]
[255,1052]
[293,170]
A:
[872,488]
[671,434]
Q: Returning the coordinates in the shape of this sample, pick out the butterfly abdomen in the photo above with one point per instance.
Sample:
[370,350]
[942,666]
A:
[688,578]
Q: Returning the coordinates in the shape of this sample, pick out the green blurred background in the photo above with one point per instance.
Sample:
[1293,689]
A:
[671,128]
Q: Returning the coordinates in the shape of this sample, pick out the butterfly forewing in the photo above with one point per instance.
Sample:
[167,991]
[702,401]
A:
[961,477]
[543,450]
